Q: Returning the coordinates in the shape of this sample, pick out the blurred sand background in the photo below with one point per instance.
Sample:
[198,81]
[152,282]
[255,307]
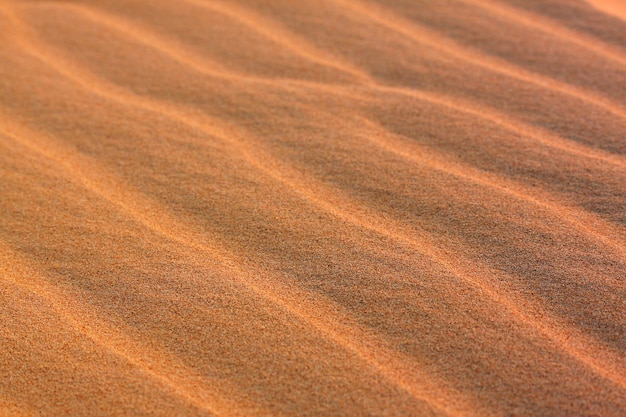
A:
[312,208]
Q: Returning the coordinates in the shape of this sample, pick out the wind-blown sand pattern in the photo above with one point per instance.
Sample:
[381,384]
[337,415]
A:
[329,207]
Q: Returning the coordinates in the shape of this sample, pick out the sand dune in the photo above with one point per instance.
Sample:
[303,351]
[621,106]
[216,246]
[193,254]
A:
[329,207]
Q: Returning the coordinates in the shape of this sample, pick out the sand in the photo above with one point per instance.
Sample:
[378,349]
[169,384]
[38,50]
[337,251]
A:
[312,208]
[616,8]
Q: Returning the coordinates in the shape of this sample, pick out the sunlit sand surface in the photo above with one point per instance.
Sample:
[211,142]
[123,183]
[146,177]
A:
[312,208]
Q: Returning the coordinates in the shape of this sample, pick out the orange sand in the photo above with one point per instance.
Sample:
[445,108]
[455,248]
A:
[615,7]
[312,207]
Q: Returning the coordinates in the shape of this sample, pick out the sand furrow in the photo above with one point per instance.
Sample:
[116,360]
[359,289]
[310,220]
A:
[536,22]
[211,68]
[586,223]
[186,56]
[470,271]
[494,117]
[278,34]
[173,377]
[392,365]
[513,124]
[424,36]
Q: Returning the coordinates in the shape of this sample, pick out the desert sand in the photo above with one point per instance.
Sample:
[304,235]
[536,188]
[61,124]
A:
[312,208]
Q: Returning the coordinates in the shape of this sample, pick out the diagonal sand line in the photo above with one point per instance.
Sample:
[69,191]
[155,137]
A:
[179,53]
[174,377]
[427,37]
[338,329]
[537,22]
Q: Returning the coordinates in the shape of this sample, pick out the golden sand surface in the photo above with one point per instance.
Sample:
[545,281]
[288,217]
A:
[312,208]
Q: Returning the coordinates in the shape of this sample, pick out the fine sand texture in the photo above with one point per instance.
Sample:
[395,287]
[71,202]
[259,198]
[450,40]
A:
[312,208]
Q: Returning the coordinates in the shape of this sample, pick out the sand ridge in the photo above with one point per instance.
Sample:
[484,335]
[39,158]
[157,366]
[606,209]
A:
[337,207]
